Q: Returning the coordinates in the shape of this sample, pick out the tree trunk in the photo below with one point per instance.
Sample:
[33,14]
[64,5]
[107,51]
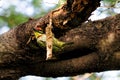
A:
[95,45]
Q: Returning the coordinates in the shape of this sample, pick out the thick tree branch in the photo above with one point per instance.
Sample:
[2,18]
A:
[87,37]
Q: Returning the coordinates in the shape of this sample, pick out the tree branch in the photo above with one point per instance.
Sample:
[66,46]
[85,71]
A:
[75,60]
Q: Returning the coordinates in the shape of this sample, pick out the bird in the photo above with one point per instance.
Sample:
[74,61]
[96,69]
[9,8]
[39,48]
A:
[57,44]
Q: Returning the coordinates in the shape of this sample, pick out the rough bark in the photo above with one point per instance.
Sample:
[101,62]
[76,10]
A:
[91,40]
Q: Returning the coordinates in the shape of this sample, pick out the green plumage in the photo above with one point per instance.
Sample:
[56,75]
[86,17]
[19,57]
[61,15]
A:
[57,44]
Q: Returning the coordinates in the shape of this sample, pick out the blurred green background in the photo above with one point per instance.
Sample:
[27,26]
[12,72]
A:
[15,12]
